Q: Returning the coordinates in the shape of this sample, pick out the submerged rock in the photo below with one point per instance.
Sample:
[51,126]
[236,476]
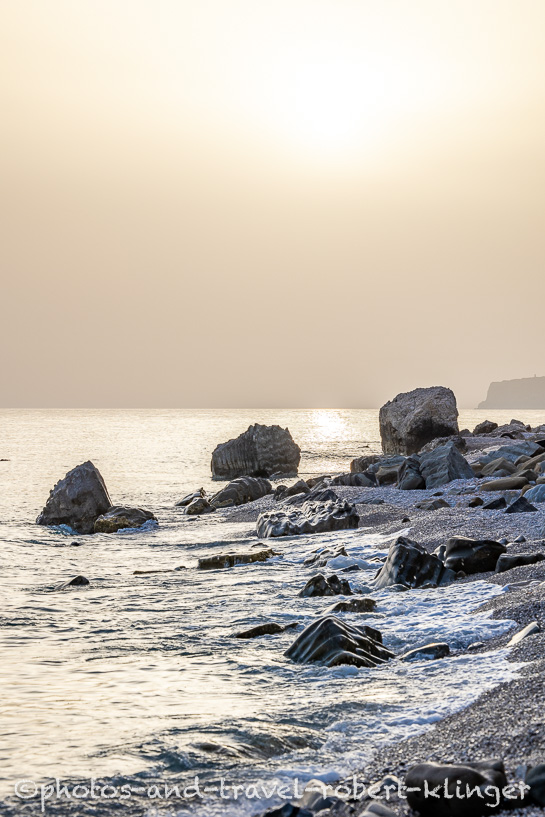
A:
[323,556]
[241,490]
[77,500]
[354,605]
[119,517]
[487,776]
[77,581]
[412,419]
[222,560]
[427,652]
[311,517]
[261,451]
[410,565]
[331,642]
[321,586]
[472,555]
[269,628]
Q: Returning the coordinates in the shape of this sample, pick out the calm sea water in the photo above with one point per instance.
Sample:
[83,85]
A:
[136,677]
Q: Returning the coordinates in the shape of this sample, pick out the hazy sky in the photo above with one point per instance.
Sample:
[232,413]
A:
[269,202]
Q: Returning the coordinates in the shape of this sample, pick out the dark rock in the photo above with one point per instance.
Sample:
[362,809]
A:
[432,504]
[355,480]
[472,555]
[331,642]
[410,565]
[486,427]
[321,586]
[513,452]
[259,452]
[316,495]
[456,440]
[361,464]
[427,652]
[507,484]
[77,581]
[475,502]
[495,504]
[412,419]
[283,492]
[424,777]
[231,559]
[354,605]
[321,558]
[241,490]
[186,500]
[311,517]
[269,628]
[77,500]
[535,778]
[444,465]
[198,505]
[410,477]
[119,517]
[313,482]
[521,505]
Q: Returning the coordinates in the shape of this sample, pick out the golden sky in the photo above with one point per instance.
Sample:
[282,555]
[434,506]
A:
[269,202]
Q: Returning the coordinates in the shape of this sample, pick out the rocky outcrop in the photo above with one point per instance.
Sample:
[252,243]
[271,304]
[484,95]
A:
[311,517]
[331,642]
[524,393]
[261,451]
[321,585]
[119,517]
[486,776]
[269,628]
[77,500]
[412,419]
[223,560]
[444,465]
[472,555]
[409,564]
[323,556]
[241,490]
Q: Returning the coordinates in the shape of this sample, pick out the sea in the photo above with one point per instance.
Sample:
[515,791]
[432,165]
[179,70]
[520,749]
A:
[136,679]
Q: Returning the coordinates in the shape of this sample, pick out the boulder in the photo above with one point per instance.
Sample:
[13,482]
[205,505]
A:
[311,517]
[426,653]
[261,451]
[354,480]
[222,560]
[119,517]
[410,565]
[432,504]
[535,778]
[456,440]
[475,502]
[486,427]
[521,505]
[317,494]
[513,452]
[269,628]
[536,494]
[361,464]
[444,465]
[508,562]
[483,778]
[197,506]
[499,464]
[241,490]
[77,581]
[331,642]
[321,585]
[188,499]
[410,477]
[77,500]
[472,555]
[412,419]
[354,605]
[506,484]
[495,504]
[283,492]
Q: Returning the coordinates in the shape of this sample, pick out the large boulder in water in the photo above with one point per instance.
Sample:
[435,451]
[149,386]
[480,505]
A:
[77,500]
[260,452]
[119,517]
[410,565]
[414,418]
[311,517]
[331,642]
[241,490]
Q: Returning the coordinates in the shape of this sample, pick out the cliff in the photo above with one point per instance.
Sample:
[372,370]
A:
[526,393]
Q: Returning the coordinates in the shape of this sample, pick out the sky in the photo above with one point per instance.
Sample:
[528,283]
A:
[269,203]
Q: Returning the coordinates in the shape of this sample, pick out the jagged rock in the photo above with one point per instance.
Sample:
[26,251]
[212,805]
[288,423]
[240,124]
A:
[456,440]
[269,628]
[354,480]
[222,560]
[410,477]
[119,517]
[321,585]
[499,464]
[512,452]
[316,495]
[530,629]
[495,504]
[427,652]
[322,557]
[432,504]
[311,517]
[77,500]
[410,565]
[486,427]
[412,419]
[283,492]
[198,505]
[536,494]
[354,605]
[386,471]
[361,464]
[506,484]
[508,562]
[487,776]
[261,451]
[331,642]
[521,505]
[472,555]
[241,490]
[188,499]
[444,465]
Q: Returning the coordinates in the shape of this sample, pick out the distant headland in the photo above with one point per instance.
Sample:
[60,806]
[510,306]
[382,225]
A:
[525,393]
